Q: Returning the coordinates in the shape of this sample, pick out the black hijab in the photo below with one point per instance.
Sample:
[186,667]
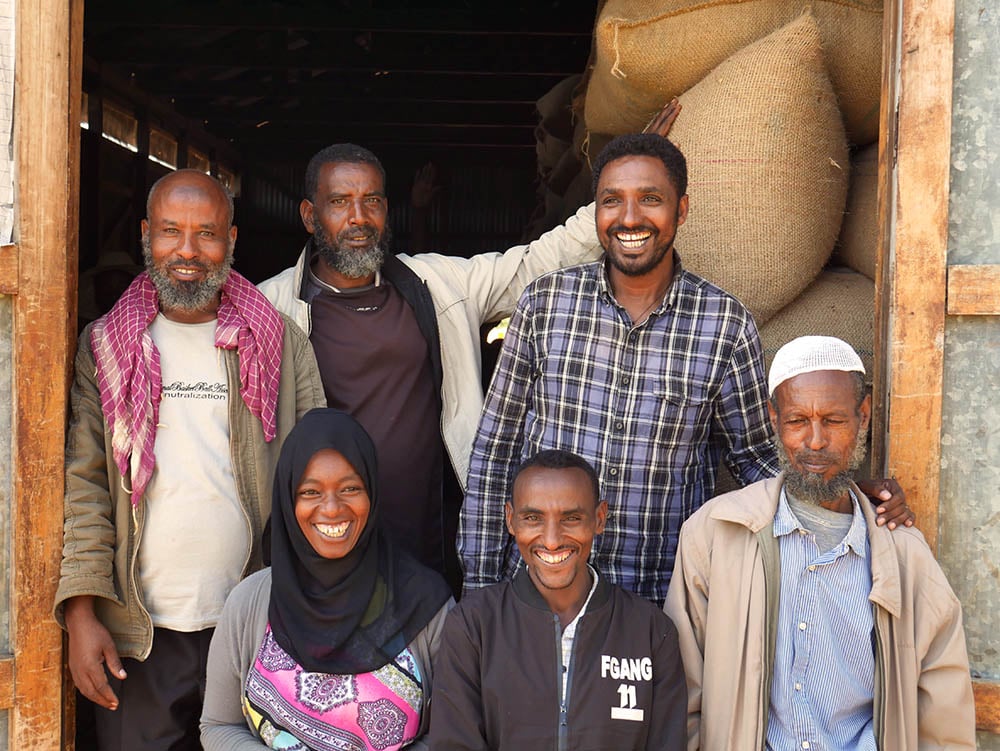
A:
[353,614]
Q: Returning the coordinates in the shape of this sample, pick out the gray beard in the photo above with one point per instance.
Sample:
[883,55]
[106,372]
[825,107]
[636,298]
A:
[812,488]
[350,262]
[188,296]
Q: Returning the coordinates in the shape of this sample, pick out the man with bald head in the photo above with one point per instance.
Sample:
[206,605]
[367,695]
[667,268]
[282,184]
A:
[182,395]
[802,623]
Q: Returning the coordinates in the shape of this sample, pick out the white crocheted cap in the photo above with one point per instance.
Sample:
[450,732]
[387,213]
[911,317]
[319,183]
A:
[807,354]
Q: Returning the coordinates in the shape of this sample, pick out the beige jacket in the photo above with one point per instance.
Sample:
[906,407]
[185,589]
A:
[467,292]
[723,598]
[101,531]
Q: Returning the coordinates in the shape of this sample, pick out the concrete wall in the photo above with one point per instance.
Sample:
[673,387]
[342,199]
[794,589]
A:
[970,454]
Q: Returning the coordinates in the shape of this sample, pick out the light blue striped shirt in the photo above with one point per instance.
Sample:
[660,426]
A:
[824,663]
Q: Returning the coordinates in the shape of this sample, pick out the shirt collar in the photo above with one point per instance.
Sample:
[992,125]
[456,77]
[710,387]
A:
[669,299]
[593,588]
[856,539]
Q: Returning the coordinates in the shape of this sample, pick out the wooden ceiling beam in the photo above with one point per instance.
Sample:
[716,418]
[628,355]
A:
[399,86]
[482,53]
[541,19]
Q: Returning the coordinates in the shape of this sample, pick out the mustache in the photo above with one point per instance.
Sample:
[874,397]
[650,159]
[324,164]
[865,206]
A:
[363,231]
[619,228]
[815,456]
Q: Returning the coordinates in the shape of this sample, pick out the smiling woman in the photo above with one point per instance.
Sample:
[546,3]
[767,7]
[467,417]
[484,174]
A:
[335,640]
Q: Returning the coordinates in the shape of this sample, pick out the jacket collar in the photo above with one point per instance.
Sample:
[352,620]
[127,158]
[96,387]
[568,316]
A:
[527,593]
[756,510]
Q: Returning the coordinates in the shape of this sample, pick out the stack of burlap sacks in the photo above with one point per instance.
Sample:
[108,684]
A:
[779,122]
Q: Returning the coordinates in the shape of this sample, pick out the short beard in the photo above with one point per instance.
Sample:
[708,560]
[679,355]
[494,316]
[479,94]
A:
[187,296]
[812,488]
[354,263]
[659,253]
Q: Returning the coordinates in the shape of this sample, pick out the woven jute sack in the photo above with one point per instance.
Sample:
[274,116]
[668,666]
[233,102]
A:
[840,303]
[767,164]
[858,243]
[650,50]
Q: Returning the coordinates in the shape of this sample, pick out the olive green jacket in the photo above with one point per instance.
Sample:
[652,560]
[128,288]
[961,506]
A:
[102,531]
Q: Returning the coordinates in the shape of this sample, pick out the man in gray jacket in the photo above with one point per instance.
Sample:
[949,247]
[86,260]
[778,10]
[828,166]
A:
[397,336]
[182,395]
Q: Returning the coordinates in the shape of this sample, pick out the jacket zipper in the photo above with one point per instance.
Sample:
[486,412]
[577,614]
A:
[563,703]
[138,524]
[238,479]
[878,713]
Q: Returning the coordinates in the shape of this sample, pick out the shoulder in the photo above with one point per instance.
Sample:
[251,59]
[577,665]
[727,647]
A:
[751,507]
[478,605]
[280,289]
[247,595]
[293,333]
[700,295]
[638,609]
[919,570]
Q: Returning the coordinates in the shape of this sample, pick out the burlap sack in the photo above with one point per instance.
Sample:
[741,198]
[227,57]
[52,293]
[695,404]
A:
[858,243]
[556,124]
[839,303]
[651,50]
[768,164]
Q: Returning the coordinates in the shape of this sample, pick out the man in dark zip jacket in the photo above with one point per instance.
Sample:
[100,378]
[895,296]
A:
[557,658]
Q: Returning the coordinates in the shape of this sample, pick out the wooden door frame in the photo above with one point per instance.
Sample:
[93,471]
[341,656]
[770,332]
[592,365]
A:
[915,291]
[40,271]
[915,287]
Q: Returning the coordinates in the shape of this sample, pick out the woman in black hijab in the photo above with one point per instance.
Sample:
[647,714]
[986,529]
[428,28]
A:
[331,647]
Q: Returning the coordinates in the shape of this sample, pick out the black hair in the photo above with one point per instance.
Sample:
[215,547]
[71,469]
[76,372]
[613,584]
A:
[645,144]
[560,459]
[348,153]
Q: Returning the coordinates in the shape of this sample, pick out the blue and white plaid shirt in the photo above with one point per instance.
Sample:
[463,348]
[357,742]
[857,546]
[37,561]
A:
[652,406]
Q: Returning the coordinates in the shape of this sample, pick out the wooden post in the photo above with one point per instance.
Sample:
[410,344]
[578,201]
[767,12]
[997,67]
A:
[46,135]
[914,161]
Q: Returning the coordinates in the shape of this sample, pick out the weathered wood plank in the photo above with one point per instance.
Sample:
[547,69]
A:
[915,276]
[8,269]
[6,682]
[46,137]
[987,705]
[974,290]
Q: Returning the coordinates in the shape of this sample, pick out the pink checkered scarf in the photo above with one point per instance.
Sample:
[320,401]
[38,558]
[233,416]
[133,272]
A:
[128,366]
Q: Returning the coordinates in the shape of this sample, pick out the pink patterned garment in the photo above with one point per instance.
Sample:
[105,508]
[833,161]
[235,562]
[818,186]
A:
[294,710]
[128,366]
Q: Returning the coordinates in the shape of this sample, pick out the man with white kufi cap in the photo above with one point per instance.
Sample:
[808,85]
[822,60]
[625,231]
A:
[787,592]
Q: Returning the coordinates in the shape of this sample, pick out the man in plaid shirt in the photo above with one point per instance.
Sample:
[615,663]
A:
[648,371]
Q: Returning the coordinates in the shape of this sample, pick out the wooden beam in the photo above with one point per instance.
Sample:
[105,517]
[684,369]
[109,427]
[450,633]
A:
[916,222]
[514,54]
[546,19]
[8,269]
[46,152]
[6,682]
[974,290]
[987,705]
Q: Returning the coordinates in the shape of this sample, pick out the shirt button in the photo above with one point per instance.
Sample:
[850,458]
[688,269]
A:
[802,626]
[619,426]
[626,381]
[612,471]
[812,568]
[803,532]
[805,744]
[798,686]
